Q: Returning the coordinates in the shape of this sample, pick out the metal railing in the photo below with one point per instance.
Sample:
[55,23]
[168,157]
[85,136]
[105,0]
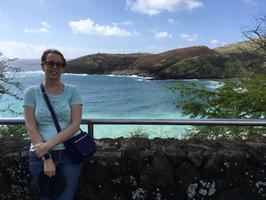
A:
[199,122]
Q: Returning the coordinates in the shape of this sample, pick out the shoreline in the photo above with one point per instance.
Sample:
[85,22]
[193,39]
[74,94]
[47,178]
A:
[127,76]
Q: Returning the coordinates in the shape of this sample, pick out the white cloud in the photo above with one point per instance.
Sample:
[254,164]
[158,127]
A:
[89,27]
[172,21]
[155,7]
[14,49]
[43,29]
[189,38]
[162,35]
[252,2]
[126,23]
[154,30]
[136,33]
[46,25]
[39,30]
[216,43]
[123,23]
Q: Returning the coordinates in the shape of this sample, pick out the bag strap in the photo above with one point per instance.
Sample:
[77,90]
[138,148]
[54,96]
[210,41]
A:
[45,96]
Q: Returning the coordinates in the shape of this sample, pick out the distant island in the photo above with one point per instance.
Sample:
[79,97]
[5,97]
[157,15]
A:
[197,62]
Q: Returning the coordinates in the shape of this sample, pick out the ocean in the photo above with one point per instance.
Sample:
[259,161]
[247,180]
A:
[113,96]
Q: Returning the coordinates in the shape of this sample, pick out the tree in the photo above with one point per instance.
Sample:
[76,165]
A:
[255,50]
[243,97]
[8,86]
[8,81]
[256,33]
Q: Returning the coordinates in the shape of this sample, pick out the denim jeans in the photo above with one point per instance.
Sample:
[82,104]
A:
[67,168]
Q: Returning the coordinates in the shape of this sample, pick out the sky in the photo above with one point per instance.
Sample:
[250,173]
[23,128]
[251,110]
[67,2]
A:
[82,27]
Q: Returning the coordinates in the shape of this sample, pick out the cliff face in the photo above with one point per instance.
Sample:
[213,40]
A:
[143,169]
[193,62]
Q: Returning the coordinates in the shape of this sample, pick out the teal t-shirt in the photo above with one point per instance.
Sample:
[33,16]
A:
[61,104]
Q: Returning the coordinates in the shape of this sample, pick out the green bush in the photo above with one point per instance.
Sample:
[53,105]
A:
[13,131]
[242,98]
[227,132]
[139,133]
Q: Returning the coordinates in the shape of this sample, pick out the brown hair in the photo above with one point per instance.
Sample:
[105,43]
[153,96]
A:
[55,51]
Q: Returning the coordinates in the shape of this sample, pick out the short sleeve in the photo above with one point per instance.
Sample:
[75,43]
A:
[29,97]
[75,97]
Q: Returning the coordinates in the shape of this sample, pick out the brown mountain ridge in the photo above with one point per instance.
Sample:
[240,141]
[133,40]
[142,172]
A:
[198,62]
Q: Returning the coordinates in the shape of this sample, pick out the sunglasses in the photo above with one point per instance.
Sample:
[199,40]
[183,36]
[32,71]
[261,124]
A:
[51,64]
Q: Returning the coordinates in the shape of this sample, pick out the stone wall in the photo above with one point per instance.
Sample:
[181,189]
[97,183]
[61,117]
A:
[157,169]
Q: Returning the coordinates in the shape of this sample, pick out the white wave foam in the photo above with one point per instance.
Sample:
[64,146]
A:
[130,76]
[117,75]
[29,73]
[71,74]
[214,84]
[33,72]
[142,80]
[189,79]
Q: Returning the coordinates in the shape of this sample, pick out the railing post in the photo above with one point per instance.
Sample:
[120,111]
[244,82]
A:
[90,129]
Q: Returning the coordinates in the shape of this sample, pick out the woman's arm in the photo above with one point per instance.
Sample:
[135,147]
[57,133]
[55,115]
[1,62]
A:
[35,137]
[31,125]
[76,113]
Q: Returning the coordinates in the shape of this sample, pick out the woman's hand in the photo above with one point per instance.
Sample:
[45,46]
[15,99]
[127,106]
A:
[49,167]
[40,149]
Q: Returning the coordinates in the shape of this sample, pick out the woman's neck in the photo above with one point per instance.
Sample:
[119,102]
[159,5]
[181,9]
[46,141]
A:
[54,88]
[49,83]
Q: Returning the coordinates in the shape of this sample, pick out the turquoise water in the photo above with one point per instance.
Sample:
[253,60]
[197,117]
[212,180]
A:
[108,96]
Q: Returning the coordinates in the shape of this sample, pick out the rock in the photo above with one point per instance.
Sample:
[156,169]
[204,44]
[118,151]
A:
[185,174]
[163,172]
[168,193]
[201,189]
[175,153]
[157,144]
[140,143]
[253,183]
[4,183]
[147,157]
[95,174]
[87,192]
[13,145]
[213,164]
[130,161]
[196,158]
[233,166]
[157,169]
[233,194]
[106,191]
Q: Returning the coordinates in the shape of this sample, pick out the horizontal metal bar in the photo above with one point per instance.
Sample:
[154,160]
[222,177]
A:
[212,122]
[12,121]
[208,122]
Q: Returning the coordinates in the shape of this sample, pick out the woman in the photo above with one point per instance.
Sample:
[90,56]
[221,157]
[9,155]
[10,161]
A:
[47,152]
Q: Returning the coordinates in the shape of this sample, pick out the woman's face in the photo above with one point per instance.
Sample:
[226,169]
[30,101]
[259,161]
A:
[53,66]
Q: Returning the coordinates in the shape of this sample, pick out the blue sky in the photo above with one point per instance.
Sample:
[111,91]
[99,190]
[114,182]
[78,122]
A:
[81,27]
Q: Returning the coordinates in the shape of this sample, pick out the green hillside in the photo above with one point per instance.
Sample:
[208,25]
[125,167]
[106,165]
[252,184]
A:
[234,48]
[198,62]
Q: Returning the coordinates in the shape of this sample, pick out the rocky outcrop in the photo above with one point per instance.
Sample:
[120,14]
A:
[140,169]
